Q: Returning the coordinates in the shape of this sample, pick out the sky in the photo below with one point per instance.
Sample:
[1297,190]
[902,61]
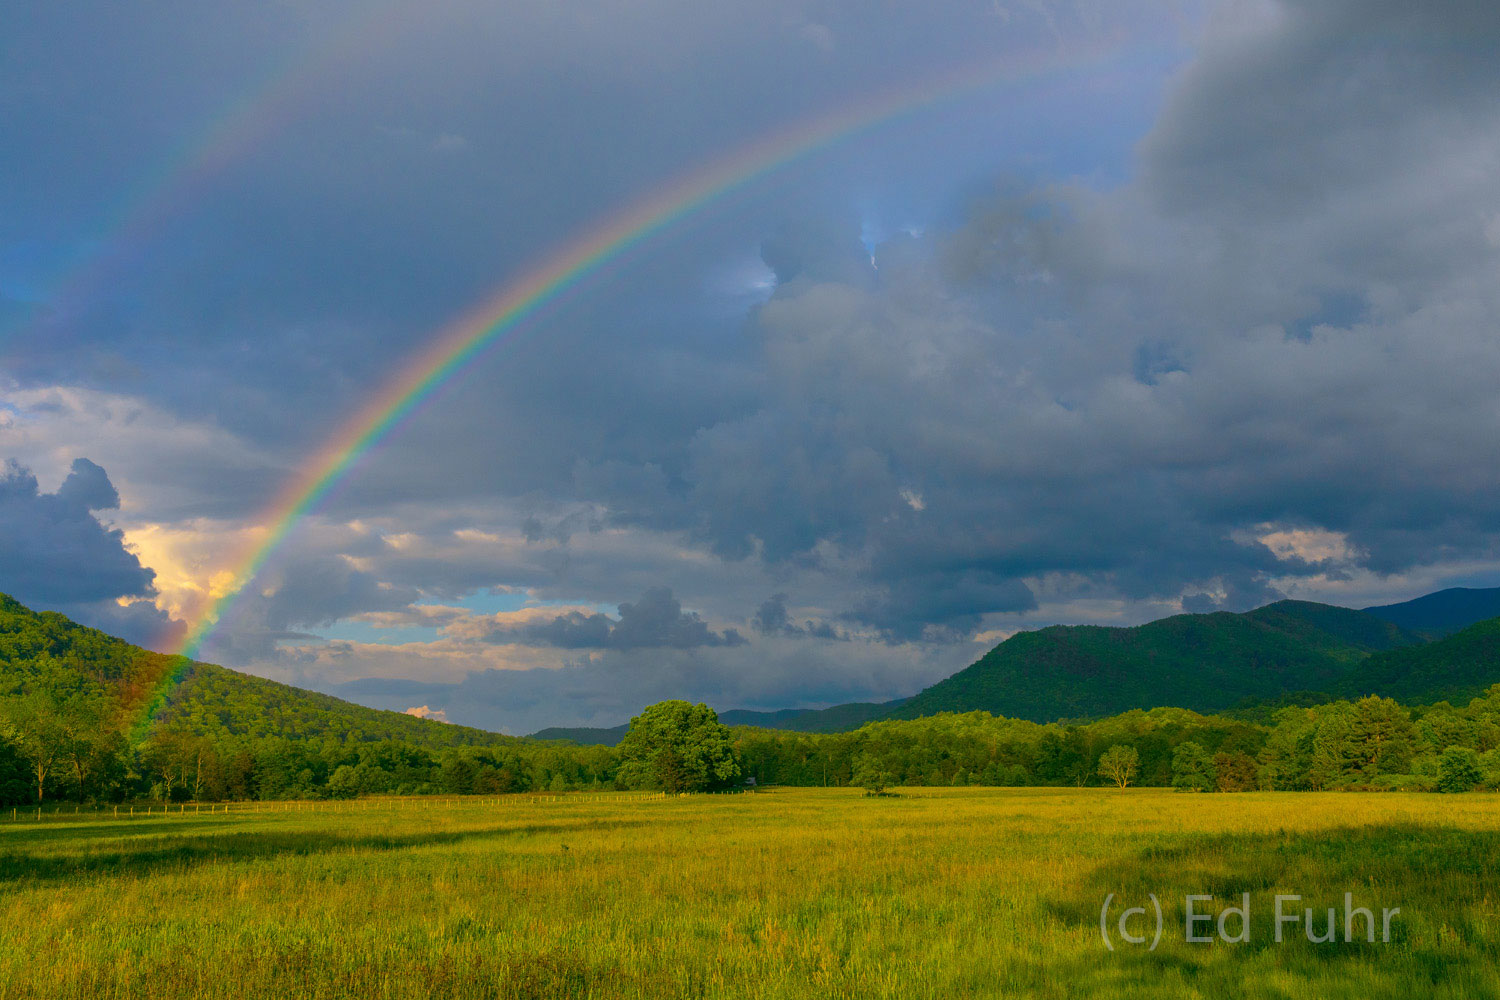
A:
[1104,312]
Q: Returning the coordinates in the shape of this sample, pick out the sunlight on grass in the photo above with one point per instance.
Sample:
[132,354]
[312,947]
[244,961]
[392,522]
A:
[793,893]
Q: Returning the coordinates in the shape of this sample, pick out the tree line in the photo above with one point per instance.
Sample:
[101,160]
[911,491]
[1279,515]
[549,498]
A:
[53,750]
[1371,743]
[66,749]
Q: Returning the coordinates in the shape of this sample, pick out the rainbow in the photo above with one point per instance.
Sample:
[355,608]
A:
[502,316]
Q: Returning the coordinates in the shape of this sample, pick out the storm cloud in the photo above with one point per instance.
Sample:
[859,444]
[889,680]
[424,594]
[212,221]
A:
[56,554]
[773,619]
[55,551]
[1191,318]
[656,621]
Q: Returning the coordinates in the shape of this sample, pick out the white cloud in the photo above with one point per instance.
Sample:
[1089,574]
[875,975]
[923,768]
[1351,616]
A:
[1311,545]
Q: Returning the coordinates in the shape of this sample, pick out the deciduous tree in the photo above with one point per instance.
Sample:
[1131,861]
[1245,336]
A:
[36,731]
[678,747]
[1192,768]
[1119,764]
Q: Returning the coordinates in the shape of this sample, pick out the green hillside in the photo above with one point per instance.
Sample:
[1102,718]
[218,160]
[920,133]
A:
[1201,662]
[216,702]
[47,654]
[1455,669]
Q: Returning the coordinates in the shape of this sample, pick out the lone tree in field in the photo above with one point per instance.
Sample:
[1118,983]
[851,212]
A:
[871,775]
[1120,764]
[678,747]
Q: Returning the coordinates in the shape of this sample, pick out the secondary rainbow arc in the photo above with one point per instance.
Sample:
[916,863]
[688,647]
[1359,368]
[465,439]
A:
[505,312]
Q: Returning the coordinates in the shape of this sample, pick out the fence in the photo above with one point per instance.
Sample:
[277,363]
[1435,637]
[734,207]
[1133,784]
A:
[75,812]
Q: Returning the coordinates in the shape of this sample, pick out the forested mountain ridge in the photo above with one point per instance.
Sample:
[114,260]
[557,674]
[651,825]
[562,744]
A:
[1443,612]
[224,735]
[1204,662]
[1289,652]
[1456,669]
[45,654]
[217,702]
[48,652]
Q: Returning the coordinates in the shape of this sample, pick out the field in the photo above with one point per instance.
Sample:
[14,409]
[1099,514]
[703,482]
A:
[797,893]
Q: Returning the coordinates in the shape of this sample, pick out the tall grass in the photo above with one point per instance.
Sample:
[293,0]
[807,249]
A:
[798,893]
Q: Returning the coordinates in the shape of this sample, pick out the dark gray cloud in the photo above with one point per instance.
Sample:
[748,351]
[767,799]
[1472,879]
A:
[1132,383]
[772,618]
[52,547]
[607,688]
[87,488]
[1116,389]
[55,555]
[656,621]
[1225,328]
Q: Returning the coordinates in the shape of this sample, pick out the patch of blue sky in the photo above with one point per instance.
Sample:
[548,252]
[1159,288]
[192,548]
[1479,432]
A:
[479,602]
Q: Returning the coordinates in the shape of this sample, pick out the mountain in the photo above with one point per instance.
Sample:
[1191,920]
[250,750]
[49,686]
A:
[48,653]
[1206,663]
[586,736]
[1289,652]
[838,719]
[1202,662]
[216,701]
[1444,612]
[1454,669]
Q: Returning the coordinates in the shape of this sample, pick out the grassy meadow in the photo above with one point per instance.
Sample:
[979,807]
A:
[795,893]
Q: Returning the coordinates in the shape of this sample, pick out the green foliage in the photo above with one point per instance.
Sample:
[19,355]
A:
[224,704]
[1458,770]
[838,719]
[1119,764]
[15,782]
[72,693]
[72,663]
[69,696]
[1458,667]
[1382,735]
[103,682]
[1193,768]
[678,747]
[869,775]
[1203,662]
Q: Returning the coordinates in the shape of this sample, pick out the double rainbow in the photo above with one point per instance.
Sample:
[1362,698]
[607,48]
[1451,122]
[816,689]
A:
[501,318]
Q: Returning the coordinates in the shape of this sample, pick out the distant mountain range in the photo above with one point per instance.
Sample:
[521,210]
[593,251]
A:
[1208,662]
[838,719]
[1444,646]
[1444,612]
